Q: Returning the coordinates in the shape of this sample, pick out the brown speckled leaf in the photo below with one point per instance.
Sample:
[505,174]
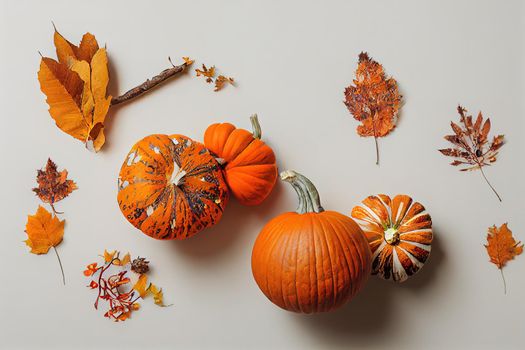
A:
[373,99]
[53,185]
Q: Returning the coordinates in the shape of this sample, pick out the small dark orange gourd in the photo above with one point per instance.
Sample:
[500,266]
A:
[171,187]
[248,162]
[310,260]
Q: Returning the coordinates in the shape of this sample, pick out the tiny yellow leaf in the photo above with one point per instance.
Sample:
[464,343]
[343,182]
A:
[108,256]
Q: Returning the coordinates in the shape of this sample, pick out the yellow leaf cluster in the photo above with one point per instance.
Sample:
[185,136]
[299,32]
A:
[109,256]
[75,87]
[144,289]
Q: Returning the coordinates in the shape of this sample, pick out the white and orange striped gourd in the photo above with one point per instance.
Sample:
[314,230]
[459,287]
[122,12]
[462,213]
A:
[399,232]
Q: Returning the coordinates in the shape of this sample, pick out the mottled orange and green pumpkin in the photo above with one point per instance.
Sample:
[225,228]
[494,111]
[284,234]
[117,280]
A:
[248,162]
[171,187]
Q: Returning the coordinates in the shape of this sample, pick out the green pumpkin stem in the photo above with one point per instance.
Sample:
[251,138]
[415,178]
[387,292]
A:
[256,127]
[309,201]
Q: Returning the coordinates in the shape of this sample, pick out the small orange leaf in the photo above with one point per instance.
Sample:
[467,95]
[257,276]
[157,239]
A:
[125,260]
[188,60]
[122,262]
[44,231]
[209,73]
[108,256]
[502,247]
[221,81]
[90,269]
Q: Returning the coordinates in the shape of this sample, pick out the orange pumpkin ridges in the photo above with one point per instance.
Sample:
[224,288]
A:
[249,164]
[399,232]
[311,260]
[171,187]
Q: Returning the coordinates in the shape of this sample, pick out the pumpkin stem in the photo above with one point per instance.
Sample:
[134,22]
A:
[309,201]
[256,127]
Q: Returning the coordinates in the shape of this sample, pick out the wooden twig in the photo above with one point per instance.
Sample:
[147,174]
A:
[149,84]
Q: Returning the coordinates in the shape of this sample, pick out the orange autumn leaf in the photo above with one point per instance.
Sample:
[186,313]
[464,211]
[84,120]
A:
[43,231]
[221,81]
[502,247]
[84,52]
[75,88]
[373,100]
[188,61]
[53,185]
[108,256]
[208,73]
[91,269]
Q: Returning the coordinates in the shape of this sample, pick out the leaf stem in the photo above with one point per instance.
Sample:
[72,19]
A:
[54,210]
[377,150]
[61,268]
[504,282]
[493,189]
[375,138]
[149,84]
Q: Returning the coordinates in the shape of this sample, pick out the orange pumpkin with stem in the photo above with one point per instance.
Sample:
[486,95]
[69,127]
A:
[248,162]
[171,187]
[311,260]
[399,232]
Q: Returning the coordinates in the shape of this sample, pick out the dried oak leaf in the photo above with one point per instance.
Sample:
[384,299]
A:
[221,81]
[208,73]
[44,231]
[75,87]
[502,247]
[53,185]
[471,146]
[374,99]
[188,61]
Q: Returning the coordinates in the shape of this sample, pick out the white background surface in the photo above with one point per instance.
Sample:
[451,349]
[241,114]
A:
[292,61]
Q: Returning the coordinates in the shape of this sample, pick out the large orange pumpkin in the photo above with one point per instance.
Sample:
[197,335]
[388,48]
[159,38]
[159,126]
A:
[171,187]
[399,232]
[310,260]
[248,162]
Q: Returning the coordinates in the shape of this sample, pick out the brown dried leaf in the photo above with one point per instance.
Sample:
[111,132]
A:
[221,81]
[53,185]
[470,143]
[209,73]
